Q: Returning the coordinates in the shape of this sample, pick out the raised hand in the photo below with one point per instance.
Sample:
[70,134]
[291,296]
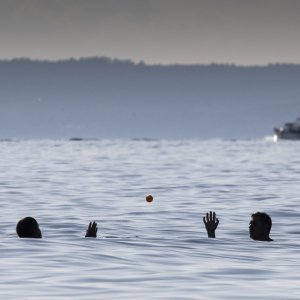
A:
[92,230]
[211,224]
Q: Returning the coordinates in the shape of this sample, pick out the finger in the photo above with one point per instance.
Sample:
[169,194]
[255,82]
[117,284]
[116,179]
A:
[207,217]
[217,223]
[90,226]
[214,217]
[210,216]
[94,225]
[204,221]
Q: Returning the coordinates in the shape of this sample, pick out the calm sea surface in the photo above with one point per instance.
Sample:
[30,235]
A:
[156,250]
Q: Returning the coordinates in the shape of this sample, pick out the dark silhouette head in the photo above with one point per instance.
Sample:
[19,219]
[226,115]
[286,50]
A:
[260,227]
[28,228]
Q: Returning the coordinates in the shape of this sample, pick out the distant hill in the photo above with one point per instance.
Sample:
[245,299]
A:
[105,98]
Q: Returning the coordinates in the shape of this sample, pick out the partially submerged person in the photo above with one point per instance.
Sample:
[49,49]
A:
[259,227]
[211,223]
[28,227]
[92,230]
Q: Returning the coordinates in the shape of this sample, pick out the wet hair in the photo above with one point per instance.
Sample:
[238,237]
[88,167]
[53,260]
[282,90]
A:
[28,228]
[265,219]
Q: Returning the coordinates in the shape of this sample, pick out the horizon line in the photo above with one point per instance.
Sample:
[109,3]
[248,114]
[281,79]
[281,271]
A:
[142,62]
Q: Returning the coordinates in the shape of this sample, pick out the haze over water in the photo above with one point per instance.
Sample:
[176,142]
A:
[156,250]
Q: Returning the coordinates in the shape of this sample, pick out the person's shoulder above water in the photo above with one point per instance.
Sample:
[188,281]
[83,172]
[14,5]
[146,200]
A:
[260,227]
[28,227]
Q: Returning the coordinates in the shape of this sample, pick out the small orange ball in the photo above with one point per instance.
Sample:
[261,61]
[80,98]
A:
[149,198]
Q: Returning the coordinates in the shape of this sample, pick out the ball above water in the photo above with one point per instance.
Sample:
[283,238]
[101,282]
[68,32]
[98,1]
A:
[149,198]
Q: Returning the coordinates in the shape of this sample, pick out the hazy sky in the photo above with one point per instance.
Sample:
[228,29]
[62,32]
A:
[156,31]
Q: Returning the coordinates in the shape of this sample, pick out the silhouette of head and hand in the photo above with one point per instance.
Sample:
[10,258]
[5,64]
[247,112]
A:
[259,227]
[28,227]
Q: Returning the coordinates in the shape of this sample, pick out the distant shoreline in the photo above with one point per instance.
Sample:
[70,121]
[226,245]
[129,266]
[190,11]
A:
[111,60]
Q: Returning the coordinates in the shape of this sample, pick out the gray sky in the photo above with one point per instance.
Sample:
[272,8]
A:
[247,32]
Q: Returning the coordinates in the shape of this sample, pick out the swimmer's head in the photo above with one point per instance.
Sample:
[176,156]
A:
[260,226]
[28,228]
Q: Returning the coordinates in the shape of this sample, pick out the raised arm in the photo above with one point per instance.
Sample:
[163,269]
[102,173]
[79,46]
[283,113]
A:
[211,224]
[92,230]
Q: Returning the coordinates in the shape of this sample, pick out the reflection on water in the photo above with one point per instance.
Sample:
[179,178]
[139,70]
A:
[156,250]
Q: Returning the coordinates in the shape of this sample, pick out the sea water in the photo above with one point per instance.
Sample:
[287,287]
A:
[157,250]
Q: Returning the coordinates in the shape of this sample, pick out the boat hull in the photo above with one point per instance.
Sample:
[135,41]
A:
[287,136]
[283,134]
